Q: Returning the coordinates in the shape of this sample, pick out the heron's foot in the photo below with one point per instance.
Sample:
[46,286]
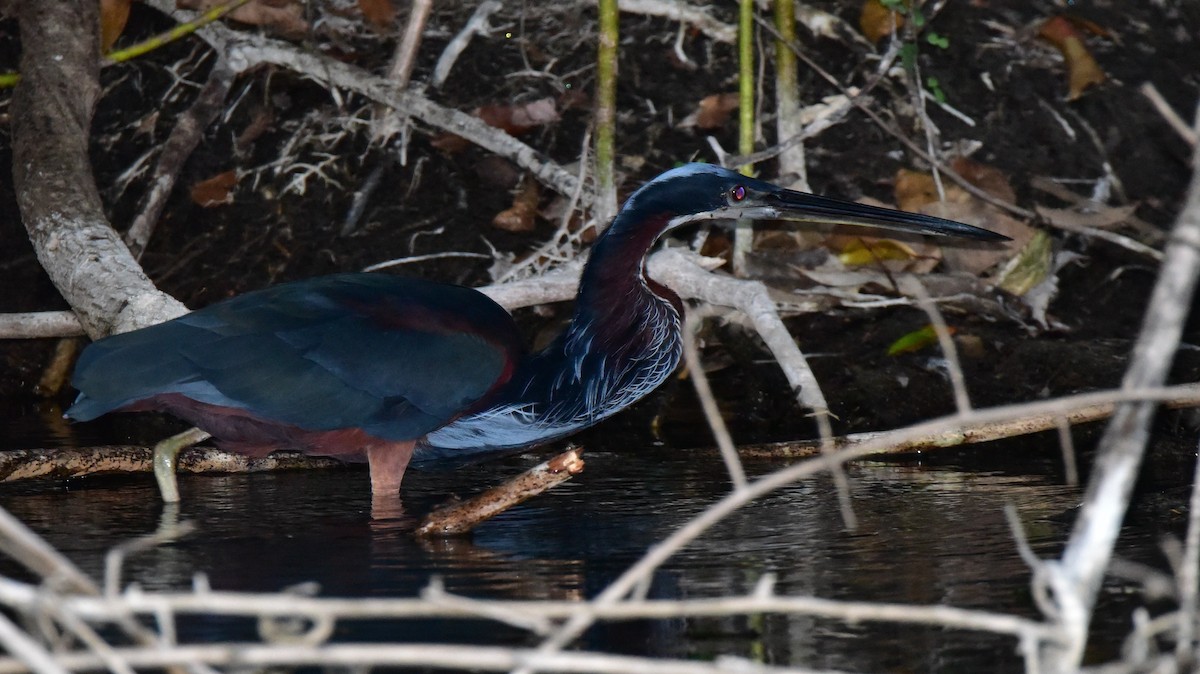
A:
[165,454]
[388,462]
[389,509]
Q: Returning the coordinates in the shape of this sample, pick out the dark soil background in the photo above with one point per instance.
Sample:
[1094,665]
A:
[280,227]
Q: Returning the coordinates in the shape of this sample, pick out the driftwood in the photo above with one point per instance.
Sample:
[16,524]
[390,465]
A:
[28,464]
[460,518]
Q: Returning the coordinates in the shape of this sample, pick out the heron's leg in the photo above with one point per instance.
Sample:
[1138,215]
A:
[165,454]
[387,462]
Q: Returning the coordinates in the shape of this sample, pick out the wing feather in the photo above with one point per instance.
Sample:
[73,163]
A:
[396,357]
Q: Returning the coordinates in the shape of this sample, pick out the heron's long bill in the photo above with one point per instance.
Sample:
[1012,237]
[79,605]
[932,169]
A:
[783,204]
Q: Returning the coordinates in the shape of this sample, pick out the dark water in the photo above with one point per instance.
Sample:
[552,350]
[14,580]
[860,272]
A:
[926,536]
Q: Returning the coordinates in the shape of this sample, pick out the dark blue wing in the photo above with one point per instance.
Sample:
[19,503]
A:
[396,357]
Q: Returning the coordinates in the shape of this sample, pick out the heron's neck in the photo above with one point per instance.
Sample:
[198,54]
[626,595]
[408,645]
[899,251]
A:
[624,335]
[623,341]
[614,286]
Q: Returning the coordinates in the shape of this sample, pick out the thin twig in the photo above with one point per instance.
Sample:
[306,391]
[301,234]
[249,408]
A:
[911,285]
[412,259]
[439,656]
[1148,232]
[405,58]
[34,553]
[185,136]
[973,429]
[1067,443]
[534,613]
[27,651]
[566,244]
[476,25]
[751,298]
[1104,235]
[1168,113]
[683,12]
[712,414]
[435,593]
[88,636]
[246,51]
[114,561]
[905,140]
[393,121]
[1188,578]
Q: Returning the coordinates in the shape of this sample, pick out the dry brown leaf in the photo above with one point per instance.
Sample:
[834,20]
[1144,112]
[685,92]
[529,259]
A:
[712,113]
[262,120]
[975,258]
[1106,217]
[517,119]
[987,178]
[914,189]
[113,15]
[877,22]
[215,191]
[853,280]
[780,240]
[1082,69]
[450,143]
[378,13]
[717,244]
[917,193]
[521,217]
[512,119]
[282,16]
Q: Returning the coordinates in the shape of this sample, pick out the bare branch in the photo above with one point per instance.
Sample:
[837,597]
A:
[1089,549]
[60,205]
[684,13]
[973,429]
[41,324]
[27,651]
[1189,578]
[476,25]
[1168,113]
[185,136]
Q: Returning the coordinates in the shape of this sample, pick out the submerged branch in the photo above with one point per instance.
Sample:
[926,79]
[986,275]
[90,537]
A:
[462,517]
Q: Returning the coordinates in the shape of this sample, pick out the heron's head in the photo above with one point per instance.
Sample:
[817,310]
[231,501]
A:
[704,192]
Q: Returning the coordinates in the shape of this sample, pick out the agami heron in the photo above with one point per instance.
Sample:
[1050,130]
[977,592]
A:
[395,369]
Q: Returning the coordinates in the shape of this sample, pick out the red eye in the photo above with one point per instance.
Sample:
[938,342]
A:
[738,193]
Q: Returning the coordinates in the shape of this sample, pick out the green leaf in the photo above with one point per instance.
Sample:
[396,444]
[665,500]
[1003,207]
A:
[935,88]
[914,341]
